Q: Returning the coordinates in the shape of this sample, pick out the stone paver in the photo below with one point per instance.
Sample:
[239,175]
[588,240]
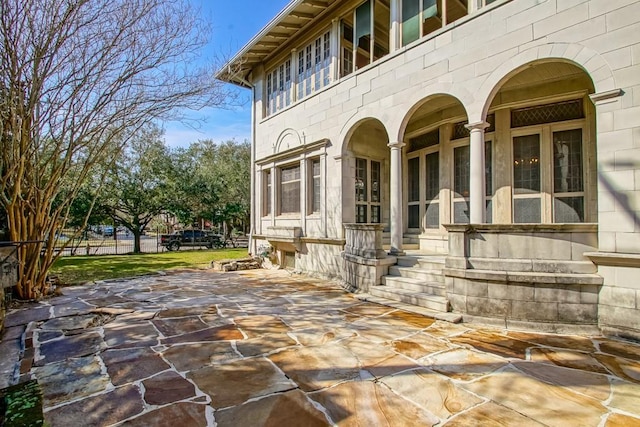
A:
[265,348]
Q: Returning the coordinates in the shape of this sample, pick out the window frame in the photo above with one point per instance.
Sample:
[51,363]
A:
[267,188]
[368,203]
[281,183]
[311,187]
[547,193]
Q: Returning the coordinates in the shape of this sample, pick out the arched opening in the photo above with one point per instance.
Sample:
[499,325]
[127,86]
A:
[366,174]
[436,168]
[545,151]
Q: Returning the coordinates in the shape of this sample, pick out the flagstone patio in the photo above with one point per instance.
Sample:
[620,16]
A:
[265,348]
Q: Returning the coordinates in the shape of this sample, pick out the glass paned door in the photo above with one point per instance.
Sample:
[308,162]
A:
[526,179]
[568,178]
[368,191]
[432,190]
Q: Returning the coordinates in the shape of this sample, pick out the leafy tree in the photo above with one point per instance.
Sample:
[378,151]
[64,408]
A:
[78,78]
[137,185]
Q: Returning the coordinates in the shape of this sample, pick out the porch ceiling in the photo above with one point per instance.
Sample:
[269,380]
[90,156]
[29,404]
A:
[291,21]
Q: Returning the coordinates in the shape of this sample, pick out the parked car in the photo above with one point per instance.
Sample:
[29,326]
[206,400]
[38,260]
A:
[193,238]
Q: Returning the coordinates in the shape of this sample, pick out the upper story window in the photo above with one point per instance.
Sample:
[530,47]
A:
[421,17]
[314,66]
[279,87]
[364,35]
[287,83]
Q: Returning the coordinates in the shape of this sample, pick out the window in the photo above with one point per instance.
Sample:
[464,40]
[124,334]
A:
[554,193]
[290,189]
[314,62]
[462,182]
[368,191]
[421,17]
[315,185]
[279,88]
[568,183]
[413,192]
[267,193]
[432,190]
[365,35]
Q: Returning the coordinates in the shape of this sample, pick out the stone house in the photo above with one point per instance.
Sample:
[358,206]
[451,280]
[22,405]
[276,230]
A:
[474,156]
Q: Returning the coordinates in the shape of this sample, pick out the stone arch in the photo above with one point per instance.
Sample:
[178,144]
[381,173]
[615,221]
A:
[288,138]
[419,102]
[583,57]
[352,124]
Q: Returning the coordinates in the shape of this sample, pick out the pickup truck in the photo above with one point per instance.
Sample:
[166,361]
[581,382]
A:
[194,238]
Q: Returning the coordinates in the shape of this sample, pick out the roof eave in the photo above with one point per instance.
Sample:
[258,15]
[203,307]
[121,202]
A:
[225,72]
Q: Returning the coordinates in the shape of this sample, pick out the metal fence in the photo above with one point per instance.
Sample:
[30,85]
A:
[122,243]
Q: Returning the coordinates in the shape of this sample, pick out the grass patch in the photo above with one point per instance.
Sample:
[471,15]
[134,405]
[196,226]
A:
[81,269]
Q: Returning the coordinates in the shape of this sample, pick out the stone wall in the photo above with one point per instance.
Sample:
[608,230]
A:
[8,277]
[527,275]
[364,260]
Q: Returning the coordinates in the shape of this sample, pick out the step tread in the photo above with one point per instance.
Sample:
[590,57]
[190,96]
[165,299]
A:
[439,315]
[413,281]
[407,292]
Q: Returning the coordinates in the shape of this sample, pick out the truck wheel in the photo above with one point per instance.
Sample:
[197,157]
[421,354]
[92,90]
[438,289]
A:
[173,246]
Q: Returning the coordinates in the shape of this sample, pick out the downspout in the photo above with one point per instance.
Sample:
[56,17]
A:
[252,230]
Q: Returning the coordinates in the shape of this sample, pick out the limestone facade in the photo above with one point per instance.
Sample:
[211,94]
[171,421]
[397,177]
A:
[519,117]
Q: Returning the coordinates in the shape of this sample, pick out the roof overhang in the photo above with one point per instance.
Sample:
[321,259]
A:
[296,16]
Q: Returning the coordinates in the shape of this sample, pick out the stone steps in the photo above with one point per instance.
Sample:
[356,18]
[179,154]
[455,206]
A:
[416,280]
[432,302]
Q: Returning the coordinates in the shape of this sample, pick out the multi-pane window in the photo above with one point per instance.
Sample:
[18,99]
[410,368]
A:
[315,185]
[290,189]
[432,190]
[313,73]
[462,182]
[368,191]
[421,17]
[548,163]
[568,184]
[526,179]
[413,192]
[279,88]
[365,35]
[314,62]
[267,193]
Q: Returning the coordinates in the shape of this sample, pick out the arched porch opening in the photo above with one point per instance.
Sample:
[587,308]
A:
[365,173]
[436,163]
[543,146]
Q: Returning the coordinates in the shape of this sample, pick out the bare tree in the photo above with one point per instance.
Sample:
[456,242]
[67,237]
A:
[77,79]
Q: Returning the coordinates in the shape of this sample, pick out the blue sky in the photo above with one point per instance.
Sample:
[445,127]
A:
[235,22]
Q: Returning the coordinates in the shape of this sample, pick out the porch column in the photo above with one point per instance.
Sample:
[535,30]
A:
[477,185]
[396,198]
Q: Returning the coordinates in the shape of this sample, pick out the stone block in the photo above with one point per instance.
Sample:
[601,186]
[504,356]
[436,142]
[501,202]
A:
[483,245]
[458,303]
[488,307]
[628,277]
[460,286]
[578,313]
[619,317]
[618,297]
[498,291]
[520,292]
[535,311]
[555,293]
[628,242]
[589,294]
[562,20]
[477,289]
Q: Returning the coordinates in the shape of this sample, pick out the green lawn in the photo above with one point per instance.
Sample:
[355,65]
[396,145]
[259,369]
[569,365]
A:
[75,270]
